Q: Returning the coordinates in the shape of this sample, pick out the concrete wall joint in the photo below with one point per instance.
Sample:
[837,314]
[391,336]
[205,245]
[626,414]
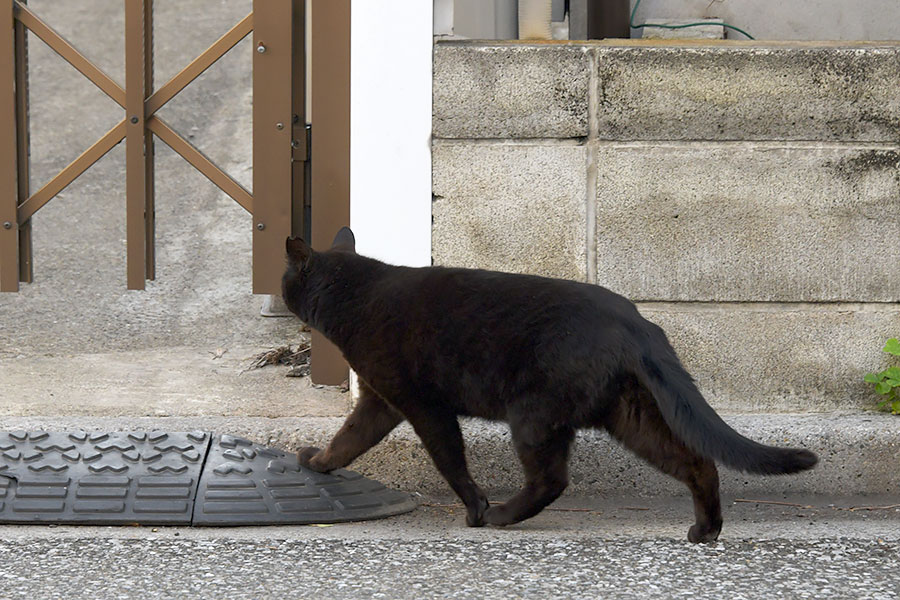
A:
[498,142]
[592,171]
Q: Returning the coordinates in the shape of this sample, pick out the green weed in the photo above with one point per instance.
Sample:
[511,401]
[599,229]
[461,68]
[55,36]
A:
[887,382]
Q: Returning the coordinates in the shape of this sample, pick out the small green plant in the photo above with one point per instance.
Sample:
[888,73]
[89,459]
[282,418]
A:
[887,382]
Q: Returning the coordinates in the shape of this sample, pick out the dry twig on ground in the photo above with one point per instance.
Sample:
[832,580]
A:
[296,358]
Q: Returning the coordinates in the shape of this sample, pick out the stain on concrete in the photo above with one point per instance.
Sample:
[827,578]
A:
[854,168]
[749,93]
[510,91]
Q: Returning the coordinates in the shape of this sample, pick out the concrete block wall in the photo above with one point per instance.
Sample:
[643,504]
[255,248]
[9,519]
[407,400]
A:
[746,196]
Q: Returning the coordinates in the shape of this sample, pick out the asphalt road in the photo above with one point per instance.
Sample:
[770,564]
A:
[448,568]
[629,548]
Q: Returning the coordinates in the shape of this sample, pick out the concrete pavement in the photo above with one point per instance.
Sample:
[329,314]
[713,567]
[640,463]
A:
[614,548]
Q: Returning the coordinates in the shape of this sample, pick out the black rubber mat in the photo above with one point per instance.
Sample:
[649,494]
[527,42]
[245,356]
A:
[175,478]
[244,483]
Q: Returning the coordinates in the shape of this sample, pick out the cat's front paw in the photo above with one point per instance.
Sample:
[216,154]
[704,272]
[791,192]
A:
[475,514]
[307,458]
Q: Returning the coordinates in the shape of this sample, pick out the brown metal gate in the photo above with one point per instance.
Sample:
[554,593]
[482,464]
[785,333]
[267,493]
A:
[281,145]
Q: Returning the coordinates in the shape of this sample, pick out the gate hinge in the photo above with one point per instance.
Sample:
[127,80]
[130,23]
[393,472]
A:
[301,143]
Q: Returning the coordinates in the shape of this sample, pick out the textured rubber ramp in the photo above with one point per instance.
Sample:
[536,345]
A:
[175,478]
[245,484]
[100,477]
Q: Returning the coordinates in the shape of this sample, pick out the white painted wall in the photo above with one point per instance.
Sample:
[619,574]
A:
[390,129]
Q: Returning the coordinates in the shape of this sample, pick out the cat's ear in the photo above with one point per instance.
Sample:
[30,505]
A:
[298,251]
[344,240]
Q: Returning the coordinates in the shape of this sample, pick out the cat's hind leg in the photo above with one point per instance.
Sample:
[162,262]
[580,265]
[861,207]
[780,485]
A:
[636,421]
[438,428]
[544,454]
[370,421]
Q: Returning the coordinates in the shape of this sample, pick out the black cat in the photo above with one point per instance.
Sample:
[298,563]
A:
[548,356]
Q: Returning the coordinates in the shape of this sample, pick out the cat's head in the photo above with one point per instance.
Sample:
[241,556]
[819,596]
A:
[301,259]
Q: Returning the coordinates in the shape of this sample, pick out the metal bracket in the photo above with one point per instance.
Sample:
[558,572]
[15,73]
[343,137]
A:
[301,143]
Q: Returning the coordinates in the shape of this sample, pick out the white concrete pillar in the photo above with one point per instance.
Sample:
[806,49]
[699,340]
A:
[390,136]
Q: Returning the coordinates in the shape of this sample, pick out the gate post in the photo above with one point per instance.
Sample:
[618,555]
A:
[139,205]
[273,127]
[9,193]
[23,149]
[149,152]
[330,153]
[280,146]
[300,133]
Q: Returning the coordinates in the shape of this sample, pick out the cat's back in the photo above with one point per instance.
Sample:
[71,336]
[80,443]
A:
[478,296]
[492,335]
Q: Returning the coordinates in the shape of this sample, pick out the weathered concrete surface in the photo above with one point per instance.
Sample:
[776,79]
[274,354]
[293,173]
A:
[749,222]
[585,548]
[511,91]
[780,357]
[857,453]
[734,92]
[726,91]
[177,381]
[510,207]
[764,197]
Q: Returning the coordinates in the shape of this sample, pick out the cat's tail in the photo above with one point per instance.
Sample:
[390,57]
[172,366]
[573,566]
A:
[700,428]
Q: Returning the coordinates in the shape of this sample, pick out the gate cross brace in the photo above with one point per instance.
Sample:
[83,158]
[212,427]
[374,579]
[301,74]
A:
[29,206]
[283,176]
